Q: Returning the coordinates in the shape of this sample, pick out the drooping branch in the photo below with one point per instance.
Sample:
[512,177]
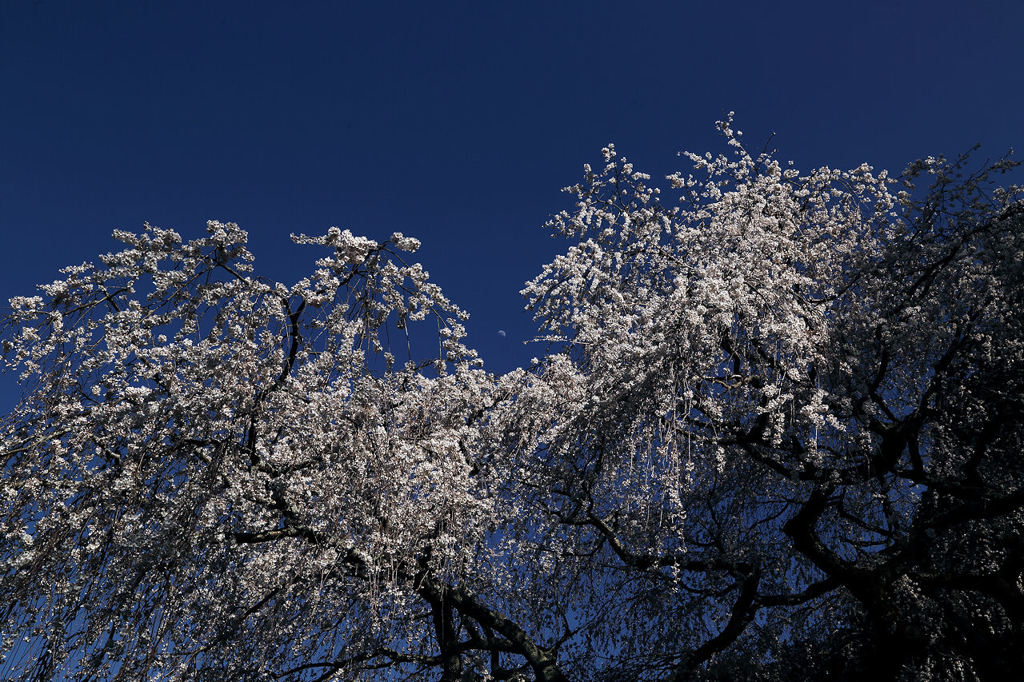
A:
[743,611]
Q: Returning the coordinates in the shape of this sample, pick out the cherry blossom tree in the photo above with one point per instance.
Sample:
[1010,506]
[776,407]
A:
[784,405]
[775,433]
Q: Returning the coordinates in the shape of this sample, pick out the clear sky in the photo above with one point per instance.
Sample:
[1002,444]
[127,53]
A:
[455,122]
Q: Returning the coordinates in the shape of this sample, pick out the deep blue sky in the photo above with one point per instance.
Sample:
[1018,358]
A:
[456,122]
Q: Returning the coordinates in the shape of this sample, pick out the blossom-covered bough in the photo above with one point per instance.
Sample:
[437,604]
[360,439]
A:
[217,476]
[776,433]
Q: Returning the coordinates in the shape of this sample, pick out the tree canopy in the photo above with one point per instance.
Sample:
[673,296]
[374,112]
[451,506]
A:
[775,432]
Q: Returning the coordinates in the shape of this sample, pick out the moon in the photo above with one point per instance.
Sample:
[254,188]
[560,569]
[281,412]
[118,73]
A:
[501,333]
